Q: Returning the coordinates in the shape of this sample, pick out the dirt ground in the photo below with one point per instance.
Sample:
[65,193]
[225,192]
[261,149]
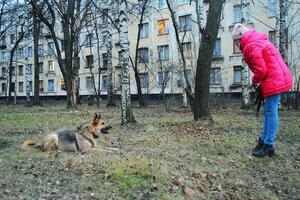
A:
[165,155]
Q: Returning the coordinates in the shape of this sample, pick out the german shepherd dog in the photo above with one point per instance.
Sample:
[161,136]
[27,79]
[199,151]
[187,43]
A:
[83,139]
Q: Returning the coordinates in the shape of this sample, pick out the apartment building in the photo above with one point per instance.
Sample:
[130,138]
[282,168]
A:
[158,61]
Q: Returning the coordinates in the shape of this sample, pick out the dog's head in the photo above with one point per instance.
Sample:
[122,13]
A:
[96,125]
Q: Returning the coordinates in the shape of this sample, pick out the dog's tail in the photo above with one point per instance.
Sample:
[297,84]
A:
[30,144]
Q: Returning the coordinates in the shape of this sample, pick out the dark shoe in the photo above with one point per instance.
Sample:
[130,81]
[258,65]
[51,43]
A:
[259,145]
[266,150]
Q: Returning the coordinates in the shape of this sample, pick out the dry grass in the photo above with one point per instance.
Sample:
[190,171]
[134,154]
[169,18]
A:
[160,156]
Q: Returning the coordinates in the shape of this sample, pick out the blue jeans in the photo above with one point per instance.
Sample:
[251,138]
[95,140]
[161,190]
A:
[271,119]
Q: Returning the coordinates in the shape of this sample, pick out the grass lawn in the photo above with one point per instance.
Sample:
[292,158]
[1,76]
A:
[165,155]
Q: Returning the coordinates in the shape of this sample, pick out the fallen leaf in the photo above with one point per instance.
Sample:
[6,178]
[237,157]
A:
[188,191]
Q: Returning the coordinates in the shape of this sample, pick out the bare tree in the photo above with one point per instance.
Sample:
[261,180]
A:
[11,60]
[36,35]
[67,12]
[141,9]
[182,61]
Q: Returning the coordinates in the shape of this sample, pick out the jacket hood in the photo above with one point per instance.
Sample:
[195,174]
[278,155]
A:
[251,36]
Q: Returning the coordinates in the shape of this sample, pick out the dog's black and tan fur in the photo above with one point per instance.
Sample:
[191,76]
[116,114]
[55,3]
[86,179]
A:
[83,139]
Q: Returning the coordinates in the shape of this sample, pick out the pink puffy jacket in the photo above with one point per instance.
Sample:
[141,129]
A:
[265,61]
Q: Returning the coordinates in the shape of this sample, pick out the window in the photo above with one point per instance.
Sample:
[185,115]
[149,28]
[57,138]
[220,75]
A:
[162,78]
[51,85]
[63,84]
[28,69]
[120,58]
[119,82]
[3,40]
[215,76]
[51,66]
[3,87]
[30,33]
[163,27]
[217,51]
[162,4]
[12,38]
[20,70]
[29,51]
[50,48]
[104,16]
[104,82]
[29,86]
[236,48]
[88,19]
[41,50]
[3,56]
[272,8]
[187,49]
[21,86]
[3,72]
[144,80]
[143,55]
[185,23]
[13,87]
[183,1]
[89,60]
[89,83]
[272,37]
[63,45]
[21,53]
[13,71]
[105,59]
[41,85]
[237,77]
[89,40]
[163,52]
[144,30]
[237,13]
[105,37]
[41,67]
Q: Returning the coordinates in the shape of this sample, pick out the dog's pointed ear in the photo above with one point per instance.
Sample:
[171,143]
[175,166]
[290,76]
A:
[96,116]
[99,116]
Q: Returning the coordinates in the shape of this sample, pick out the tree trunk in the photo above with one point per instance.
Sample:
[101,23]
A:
[182,61]
[36,97]
[110,88]
[283,36]
[127,114]
[135,64]
[245,84]
[245,70]
[12,53]
[205,54]
[99,64]
[69,44]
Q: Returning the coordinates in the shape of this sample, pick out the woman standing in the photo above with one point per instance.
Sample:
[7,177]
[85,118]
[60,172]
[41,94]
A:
[271,74]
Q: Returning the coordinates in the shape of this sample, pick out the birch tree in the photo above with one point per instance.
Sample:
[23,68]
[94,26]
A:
[126,107]
[283,44]
[245,69]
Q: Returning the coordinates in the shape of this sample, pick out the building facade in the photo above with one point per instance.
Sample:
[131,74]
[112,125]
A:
[158,61]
